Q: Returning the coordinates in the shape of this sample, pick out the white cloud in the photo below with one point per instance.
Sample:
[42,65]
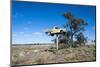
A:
[27,35]
[14,35]
[21,32]
[18,15]
[37,33]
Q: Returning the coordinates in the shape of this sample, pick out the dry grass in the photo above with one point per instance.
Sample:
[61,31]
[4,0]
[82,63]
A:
[26,55]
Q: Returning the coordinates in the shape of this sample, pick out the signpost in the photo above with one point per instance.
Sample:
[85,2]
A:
[57,41]
[56,31]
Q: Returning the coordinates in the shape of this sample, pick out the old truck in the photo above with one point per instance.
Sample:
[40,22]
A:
[56,30]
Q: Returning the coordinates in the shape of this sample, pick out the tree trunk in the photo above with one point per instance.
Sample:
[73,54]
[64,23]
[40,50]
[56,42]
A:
[71,41]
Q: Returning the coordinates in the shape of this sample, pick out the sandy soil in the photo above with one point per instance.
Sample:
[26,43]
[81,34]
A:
[36,54]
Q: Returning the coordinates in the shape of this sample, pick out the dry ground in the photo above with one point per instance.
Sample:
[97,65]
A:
[40,54]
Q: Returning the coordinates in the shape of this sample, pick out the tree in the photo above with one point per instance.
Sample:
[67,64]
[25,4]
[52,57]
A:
[93,41]
[74,25]
[81,39]
[66,38]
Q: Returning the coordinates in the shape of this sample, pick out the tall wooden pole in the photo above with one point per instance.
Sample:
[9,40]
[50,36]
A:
[57,41]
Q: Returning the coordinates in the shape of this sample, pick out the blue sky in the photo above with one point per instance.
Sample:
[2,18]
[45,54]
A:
[31,19]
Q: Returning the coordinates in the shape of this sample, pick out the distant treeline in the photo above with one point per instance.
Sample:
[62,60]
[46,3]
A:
[33,44]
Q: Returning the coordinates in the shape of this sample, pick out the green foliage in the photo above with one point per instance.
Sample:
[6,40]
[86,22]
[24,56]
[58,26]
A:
[74,25]
[51,47]
[81,39]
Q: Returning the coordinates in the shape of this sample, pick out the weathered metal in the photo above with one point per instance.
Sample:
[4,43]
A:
[56,31]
